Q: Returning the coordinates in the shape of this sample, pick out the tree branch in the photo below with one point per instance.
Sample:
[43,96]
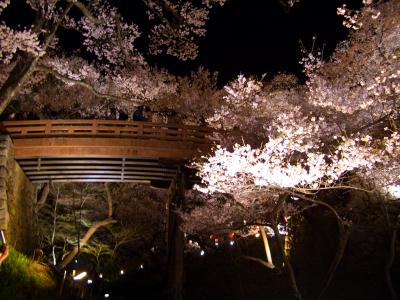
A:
[43,197]
[26,66]
[259,260]
[344,235]
[288,264]
[109,200]
[82,83]
[90,232]
[266,246]
[86,12]
[84,241]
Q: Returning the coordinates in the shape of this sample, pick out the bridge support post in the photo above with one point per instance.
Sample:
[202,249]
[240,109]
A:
[175,239]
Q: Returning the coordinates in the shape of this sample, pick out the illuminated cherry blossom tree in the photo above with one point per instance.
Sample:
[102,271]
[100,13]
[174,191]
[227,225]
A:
[117,70]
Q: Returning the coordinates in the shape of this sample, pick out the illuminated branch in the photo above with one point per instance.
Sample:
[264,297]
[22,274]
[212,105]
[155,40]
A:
[42,68]
[25,67]
[92,230]
[109,200]
[259,260]
[86,13]
[266,246]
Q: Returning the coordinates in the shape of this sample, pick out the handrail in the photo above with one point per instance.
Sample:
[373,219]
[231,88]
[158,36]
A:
[107,128]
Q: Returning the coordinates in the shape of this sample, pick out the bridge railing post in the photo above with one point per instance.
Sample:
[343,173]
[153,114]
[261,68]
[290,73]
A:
[140,129]
[47,127]
[94,127]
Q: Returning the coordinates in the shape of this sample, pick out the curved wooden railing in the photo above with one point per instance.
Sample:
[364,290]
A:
[106,128]
[104,150]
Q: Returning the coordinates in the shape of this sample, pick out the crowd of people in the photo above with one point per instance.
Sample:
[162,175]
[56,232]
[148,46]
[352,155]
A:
[141,113]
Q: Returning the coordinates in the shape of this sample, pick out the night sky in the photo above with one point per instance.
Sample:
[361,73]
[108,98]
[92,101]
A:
[254,37]
[250,37]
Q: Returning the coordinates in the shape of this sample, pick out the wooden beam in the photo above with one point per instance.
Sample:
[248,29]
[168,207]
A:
[103,147]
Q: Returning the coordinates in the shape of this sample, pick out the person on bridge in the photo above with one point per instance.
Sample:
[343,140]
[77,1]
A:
[139,114]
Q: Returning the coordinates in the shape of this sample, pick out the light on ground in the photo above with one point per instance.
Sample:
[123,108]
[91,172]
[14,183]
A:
[79,276]
[121,272]
[89,281]
[202,253]
[106,295]
[100,275]
[232,243]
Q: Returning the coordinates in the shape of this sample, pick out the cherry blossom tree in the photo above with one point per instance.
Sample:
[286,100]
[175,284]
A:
[117,70]
[285,143]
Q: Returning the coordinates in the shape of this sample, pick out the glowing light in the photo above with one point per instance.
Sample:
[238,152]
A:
[106,295]
[282,229]
[141,266]
[79,276]
[202,253]
[89,281]
[100,275]
[394,191]
[232,243]
[257,235]
[121,272]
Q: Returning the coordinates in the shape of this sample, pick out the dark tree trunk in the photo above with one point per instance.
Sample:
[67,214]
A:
[18,76]
[175,240]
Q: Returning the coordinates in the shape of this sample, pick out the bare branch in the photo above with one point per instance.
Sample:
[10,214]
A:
[84,241]
[259,260]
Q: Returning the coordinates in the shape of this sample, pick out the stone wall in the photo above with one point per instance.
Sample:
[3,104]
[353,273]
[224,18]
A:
[17,200]
[4,150]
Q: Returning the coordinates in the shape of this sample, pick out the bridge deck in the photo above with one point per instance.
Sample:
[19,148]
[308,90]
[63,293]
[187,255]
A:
[104,150]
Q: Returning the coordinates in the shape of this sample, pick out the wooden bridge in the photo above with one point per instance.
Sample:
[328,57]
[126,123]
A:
[104,150]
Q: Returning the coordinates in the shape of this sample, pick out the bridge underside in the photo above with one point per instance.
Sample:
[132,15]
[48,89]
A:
[87,169]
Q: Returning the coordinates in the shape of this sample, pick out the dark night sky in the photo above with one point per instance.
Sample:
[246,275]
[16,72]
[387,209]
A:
[259,36]
[251,37]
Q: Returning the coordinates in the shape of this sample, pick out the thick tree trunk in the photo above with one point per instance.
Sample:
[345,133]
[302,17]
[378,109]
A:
[18,76]
[288,264]
[391,255]
[175,240]
[26,64]
[43,197]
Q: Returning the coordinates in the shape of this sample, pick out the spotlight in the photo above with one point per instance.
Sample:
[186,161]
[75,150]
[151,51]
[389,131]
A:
[79,276]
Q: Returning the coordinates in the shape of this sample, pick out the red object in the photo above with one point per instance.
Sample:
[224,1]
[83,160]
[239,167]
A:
[232,236]
[3,253]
